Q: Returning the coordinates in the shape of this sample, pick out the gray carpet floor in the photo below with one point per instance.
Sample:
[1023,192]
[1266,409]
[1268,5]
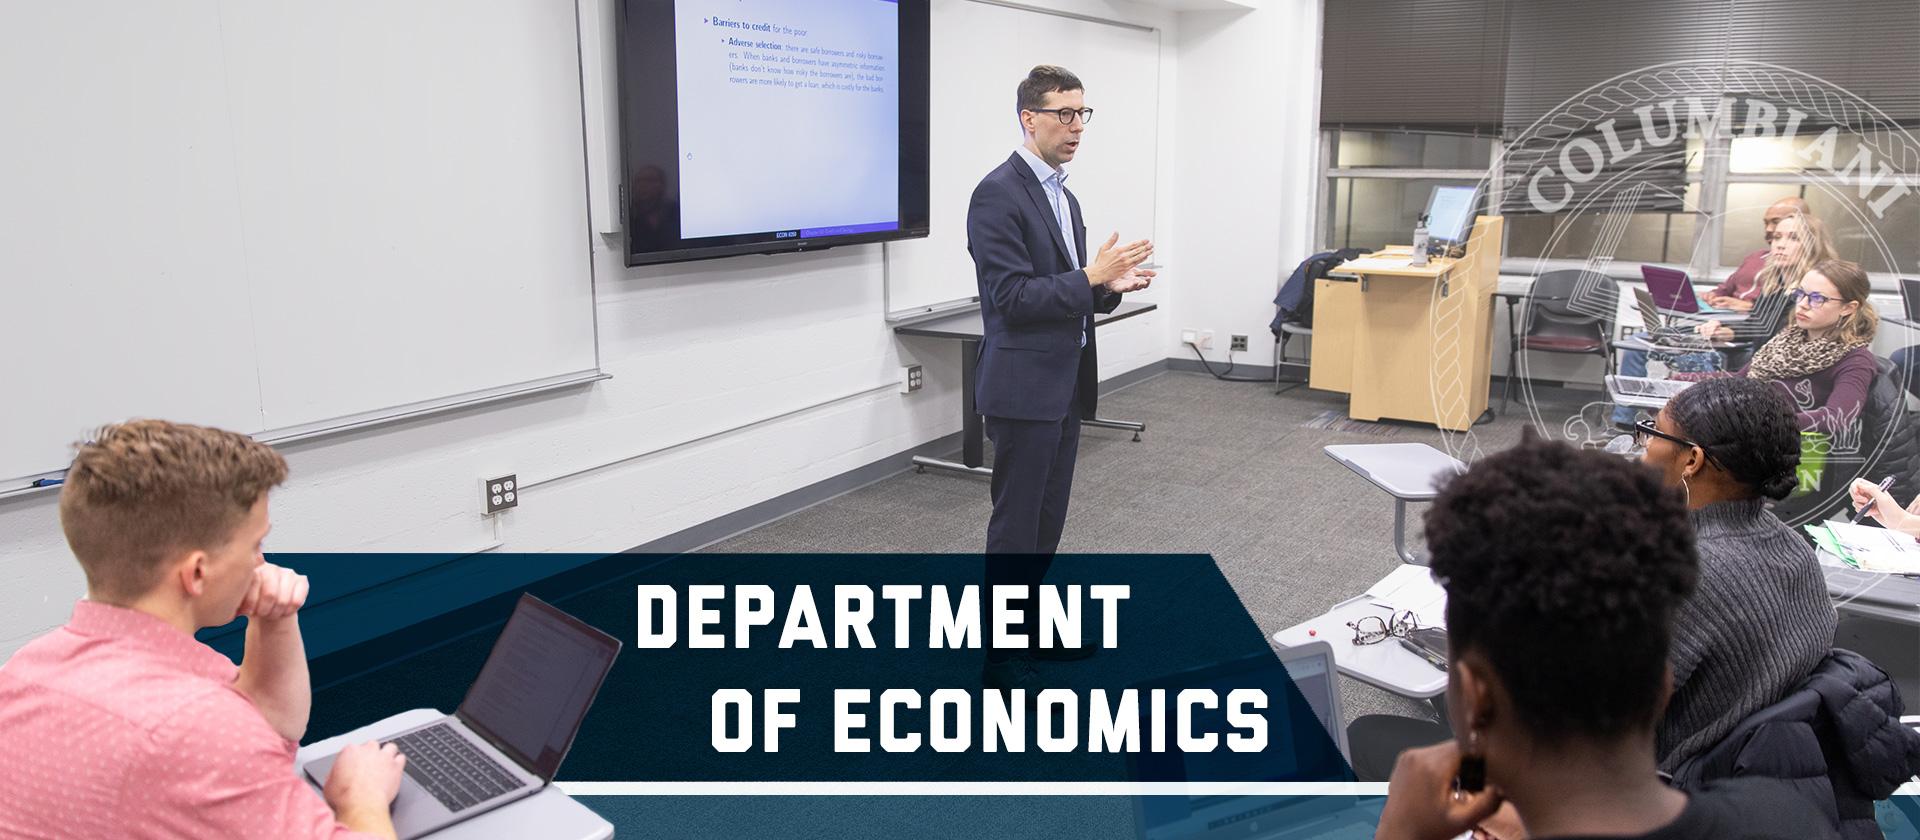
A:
[1229,469]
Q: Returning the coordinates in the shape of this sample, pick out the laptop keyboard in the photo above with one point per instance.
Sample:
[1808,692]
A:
[1678,337]
[452,769]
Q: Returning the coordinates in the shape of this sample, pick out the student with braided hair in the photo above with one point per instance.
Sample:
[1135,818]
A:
[1760,619]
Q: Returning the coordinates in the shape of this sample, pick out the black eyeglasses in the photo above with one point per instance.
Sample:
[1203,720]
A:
[1372,629]
[1813,300]
[1068,115]
[1645,428]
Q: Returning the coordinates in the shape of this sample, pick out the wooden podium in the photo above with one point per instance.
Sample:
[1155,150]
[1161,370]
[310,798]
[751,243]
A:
[1410,342]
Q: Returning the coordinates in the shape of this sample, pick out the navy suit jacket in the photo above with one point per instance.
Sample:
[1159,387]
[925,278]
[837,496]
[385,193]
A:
[1033,302]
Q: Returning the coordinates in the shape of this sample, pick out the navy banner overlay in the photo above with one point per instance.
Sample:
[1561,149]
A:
[1318,817]
[1188,690]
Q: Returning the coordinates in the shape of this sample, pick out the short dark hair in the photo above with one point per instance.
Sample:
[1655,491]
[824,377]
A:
[1748,426]
[1042,80]
[1564,567]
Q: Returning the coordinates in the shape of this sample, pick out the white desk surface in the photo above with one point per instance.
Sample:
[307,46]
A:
[1635,342]
[1872,594]
[1385,664]
[547,814]
[1724,317]
[1407,471]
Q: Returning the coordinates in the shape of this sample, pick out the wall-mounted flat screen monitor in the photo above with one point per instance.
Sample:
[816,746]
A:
[762,126]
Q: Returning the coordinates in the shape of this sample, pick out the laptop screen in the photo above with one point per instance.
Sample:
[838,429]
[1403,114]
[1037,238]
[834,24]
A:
[537,684]
[1310,669]
[1313,673]
[1670,288]
[1649,312]
[1450,213]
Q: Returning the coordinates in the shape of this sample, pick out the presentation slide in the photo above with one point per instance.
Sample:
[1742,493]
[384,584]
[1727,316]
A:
[789,115]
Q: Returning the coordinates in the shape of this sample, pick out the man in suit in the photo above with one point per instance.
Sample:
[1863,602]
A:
[1037,372]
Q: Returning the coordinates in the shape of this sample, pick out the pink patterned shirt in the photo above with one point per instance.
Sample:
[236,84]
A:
[119,725]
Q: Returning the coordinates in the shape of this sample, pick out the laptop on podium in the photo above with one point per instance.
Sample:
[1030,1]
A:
[513,729]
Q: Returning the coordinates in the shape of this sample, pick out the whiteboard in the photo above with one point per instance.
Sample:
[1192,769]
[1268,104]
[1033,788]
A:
[263,215]
[980,53]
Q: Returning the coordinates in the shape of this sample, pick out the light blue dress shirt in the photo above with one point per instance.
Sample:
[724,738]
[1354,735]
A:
[1054,181]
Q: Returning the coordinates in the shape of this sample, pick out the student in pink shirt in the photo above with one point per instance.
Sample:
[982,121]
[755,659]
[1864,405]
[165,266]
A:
[120,723]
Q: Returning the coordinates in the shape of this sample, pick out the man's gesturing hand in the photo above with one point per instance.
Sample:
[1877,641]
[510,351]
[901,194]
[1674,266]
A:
[1133,281]
[1113,263]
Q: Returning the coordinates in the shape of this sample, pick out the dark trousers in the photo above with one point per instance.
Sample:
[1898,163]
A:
[1032,479]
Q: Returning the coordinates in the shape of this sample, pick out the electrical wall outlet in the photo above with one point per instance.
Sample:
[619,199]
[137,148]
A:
[1190,337]
[911,378]
[1206,339]
[1238,344]
[500,493]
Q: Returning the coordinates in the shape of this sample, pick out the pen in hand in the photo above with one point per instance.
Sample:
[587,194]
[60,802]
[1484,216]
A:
[1862,512]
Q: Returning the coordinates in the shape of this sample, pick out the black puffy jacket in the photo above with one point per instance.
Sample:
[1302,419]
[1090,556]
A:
[1837,739]
[1888,420]
[1890,442]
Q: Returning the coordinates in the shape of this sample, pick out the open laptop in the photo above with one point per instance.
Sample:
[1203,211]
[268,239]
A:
[1310,667]
[1910,298]
[1672,290]
[513,729]
[1662,333]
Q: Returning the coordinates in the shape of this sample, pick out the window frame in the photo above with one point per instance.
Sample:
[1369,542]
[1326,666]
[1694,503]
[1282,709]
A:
[1713,177]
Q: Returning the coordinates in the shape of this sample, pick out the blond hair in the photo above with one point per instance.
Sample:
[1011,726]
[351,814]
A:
[1816,246]
[142,492]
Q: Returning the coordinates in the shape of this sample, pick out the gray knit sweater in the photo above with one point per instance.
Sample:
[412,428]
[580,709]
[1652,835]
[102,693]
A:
[1758,624]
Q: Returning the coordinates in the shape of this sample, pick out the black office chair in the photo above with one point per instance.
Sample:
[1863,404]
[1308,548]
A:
[1567,312]
[1284,364]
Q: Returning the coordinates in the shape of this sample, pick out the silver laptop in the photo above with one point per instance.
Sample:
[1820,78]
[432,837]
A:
[1310,668]
[513,729]
[1661,332]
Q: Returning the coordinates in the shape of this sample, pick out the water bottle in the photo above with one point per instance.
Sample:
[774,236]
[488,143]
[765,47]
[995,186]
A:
[1420,241]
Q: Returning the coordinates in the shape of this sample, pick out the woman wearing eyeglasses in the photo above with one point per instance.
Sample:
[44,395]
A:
[1760,619]
[1823,361]
[1564,569]
[1795,244]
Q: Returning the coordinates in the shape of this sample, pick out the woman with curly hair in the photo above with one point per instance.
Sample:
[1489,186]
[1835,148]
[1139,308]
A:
[1564,569]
